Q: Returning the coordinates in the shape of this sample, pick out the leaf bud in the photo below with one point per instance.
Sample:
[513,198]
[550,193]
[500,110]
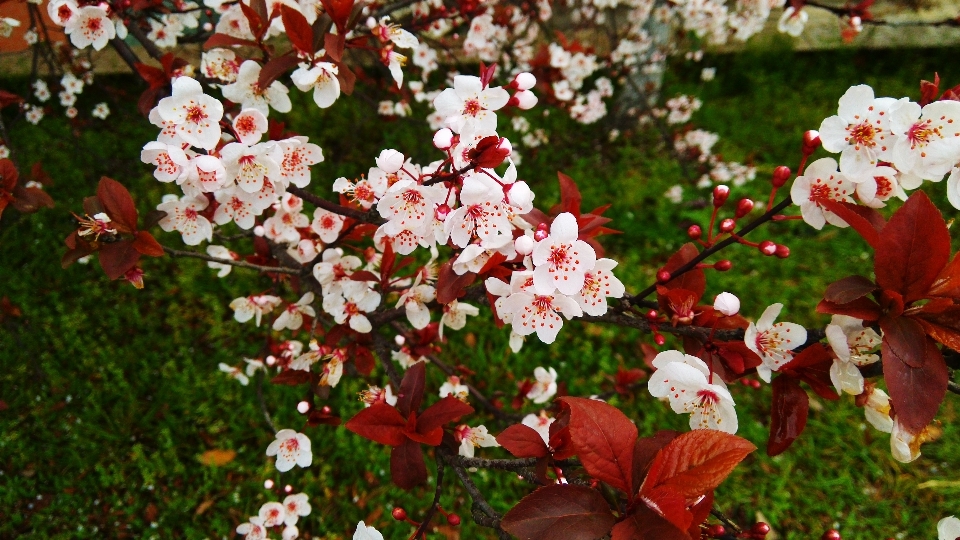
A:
[728,225]
[720,194]
[663,276]
[767,247]
[780,176]
[694,232]
[744,207]
[723,266]
[399,514]
[453,520]
[782,251]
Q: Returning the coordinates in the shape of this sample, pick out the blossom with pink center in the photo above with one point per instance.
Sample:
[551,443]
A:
[453,387]
[774,343]
[539,423]
[249,126]
[296,506]
[62,12]
[333,273]
[540,313]
[599,284]
[253,529]
[948,528]
[407,205]
[470,438]
[250,166]
[170,160]
[375,394]
[291,448]
[204,174]
[253,307]
[183,215]
[235,373]
[561,260]
[90,26]
[545,386]
[928,139]
[468,107]
[851,343]
[292,316]
[327,225]
[282,226]
[221,252]
[353,310]
[364,192]
[220,64]
[195,114]
[687,383]
[876,184]
[298,156]
[322,79]
[482,214]
[272,514]
[455,315]
[727,304]
[860,131]
[238,206]
[247,92]
[821,181]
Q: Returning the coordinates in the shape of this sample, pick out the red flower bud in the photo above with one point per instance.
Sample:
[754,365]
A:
[541,232]
[832,534]
[780,176]
[453,520]
[694,232]
[716,531]
[652,315]
[811,141]
[744,207]
[326,409]
[659,339]
[782,251]
[767,247]
[720,194]
[760,529]
[399,514]
[723,266]
[728,225]
[663,276]
[442,212]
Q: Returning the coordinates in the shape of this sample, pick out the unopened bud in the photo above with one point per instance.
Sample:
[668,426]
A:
[524,245]
[303,407]
[755,384]
[832,534]
[443,139]
[663,276]
[780,176]
[505,145]
[727,303]
[525,100]
[399,514]
[399,340]
[723,266]
[525,81]
[716,531]
[782,251]
[811,141]
[728,225]
[207,26]
[271,360]
[720,194]
[541,233]
[453,520]
[652,315]
[659,339]
[326,409]
[389,160]
[288,488]
[760,529]
[767,247]
[744,207]
[268,484]
[442,212]
[694,232]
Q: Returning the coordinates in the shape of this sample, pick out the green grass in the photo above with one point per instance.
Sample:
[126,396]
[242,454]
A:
[114,393]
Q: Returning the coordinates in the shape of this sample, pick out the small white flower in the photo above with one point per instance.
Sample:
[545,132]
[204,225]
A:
[366,533]
[948,528]
[291,448]
[545,387]
[688,384]
[774,343]
[296,506]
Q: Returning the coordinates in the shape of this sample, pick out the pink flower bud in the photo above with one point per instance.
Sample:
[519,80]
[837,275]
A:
[663,276]
[767,247]
[443,139]
[525,81]
[259,230]
[303,407]
[390,161]
[524,245]
[526,99]
[268,484]
[782,251]
[744,207]
[723,266]
[442,212]
[811,141]
[694,232]
[520,195]
[720,194]
[780,176]
[727,304]
[505,145]
[541,233]
[659,339]
[288,488]
[207,27]
[399,340]
[728,225]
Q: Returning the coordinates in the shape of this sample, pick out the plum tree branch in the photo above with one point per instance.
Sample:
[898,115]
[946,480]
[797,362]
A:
[366,217]
[240,264]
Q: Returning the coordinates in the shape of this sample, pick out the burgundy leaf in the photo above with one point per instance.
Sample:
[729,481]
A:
[863,219]
[604,439]
[276,67]
[146,244]
[849,289]
[646,449]
[298,29]
[448,409]
[948,282]
[380,423]
[406,465]
[450,286]
[915,392]
[570,198]
[523,442]
[560,511]
[669,504]
[645,524]
[696,462]
[943,327]
[694,280]
[904,338]
[788,416]
[118,257]
[223,40]
[861,308]
[333,44]
[118,204]
[411,389]
[291,377]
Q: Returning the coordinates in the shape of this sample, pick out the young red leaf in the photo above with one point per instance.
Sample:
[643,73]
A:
[697,462]
[380,423]
[255,19]
[223,40]
[560,511]
[645,524]
[364,361]
[645,449]
[339,11]
[694,280]
[915,392]
[863,219]
[118,204]
[291,377]
[948,282]
[929,90]
[9,98]
[604,438]
[298,29]
[849,289]
[146,244]
[523,442]
[333,44]
[788,415]
[276,67]
[411,389]
[700,511]
[861,308]
[118,257]
[570,198]
[450,285]
[914,248]
[943,327]
[386,264]
[669,504]
[406,465]
[904,338]
[346,77]
[155,77]
[30,199]
[448,409]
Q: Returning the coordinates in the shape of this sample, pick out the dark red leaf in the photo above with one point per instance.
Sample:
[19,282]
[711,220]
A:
[861,308]
[155,77]
[146,244]
[560,511]
[943,327]
[364,275]
[298,29]
[8,175]
[380,423]
[915,392]
[849,289]
[364,361]
[810,356]
[386,264]
[670,504]
[149,99]
[346,77]
[694,280]
[256,18]
[929,90]
[570,198]
[904,338]
[604,438]
[914,248]
[276,67]
[411,389]
[448,409]
[646,449]
[223,40]
[522,442]
[9,98]
[31,199]
[700,511]
[339,11]
[319,418]
[291,377]
[697,462]
[645,524]
[118,204]
[40,175]
[450,285]
[406,465]
[737,356]
[863,219]
[118,257]
[788,415]
[948,282]
[333,44]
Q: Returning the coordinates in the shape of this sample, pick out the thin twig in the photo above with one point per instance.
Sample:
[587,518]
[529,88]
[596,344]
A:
[479,502]
[263,403]
[726,521]
[126,53]
[422,529]
[240,264]
[382,348]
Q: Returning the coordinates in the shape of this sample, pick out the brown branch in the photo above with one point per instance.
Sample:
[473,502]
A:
[846,11]
[382,348]
[140,36]
[953,387]
[489,517]
[126,53]
[421,531]
[367,217]
[240,264]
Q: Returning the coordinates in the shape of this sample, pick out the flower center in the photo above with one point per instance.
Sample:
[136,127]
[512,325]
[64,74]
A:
[472,107]
[862,134]
[921,133]
[542,304]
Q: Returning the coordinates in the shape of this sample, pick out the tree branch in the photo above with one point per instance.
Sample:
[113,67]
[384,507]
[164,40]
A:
[421,531]
[366,217]
[240,264]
